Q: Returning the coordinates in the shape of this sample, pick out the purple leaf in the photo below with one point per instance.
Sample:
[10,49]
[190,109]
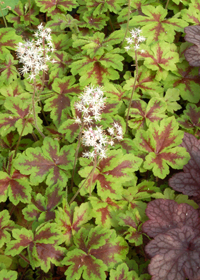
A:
[175,254]
[193,34]
[188,182]
[193,52]
[165,215]
[192,55]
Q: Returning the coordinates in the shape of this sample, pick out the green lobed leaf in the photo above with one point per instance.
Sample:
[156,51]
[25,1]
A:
[14,89]
[110,174]
[18,116]
[8,71]
[61,65]
[53,8]
[8,275]
[156,26]
[94,22]
[191,15]
[105,211]
[48,162]
[59,104]
[190,119]
[99,247]
[42,207]
[23,238]
[145,82]
[71,218]
[23,14]
[97,44]
[15,186]
[160,143]
[6,225]
[70,129]
[98,70]
[131,220]
[186,80]
[170,98]
[160,57]
[142,114]
[122,272]
[7,5]
[43,246]
[8,41]
[98,7]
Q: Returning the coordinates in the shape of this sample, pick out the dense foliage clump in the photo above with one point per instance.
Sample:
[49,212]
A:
[99,140]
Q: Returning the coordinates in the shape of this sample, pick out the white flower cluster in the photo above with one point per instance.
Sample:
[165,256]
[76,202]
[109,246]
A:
[90,105]
[116,131]
[98,139]
[135,39]
[95,138]
[34,54]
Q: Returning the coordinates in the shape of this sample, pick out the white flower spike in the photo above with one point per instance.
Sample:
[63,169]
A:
[135,40]
[31,53]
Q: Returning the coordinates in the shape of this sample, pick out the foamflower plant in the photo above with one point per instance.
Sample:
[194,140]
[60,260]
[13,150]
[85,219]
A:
[134,43]
[34,56]
[91,103]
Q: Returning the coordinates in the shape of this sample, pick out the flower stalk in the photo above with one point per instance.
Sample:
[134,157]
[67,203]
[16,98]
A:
[134,43]
[34,55]
[90,106]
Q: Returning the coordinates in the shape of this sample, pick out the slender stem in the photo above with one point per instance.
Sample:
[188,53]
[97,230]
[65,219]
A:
[29,13]
[24,258]
[196,131]
[25,269]
[34,136]
[44,55]
[46,121]
[12,210]
[34,113]
[78,191]
[3,17]
[92,175]
[43,81]
[127,26]
[111,25]
[9,165]
[76,155]
[133,90]
[167,4]
[20,136]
